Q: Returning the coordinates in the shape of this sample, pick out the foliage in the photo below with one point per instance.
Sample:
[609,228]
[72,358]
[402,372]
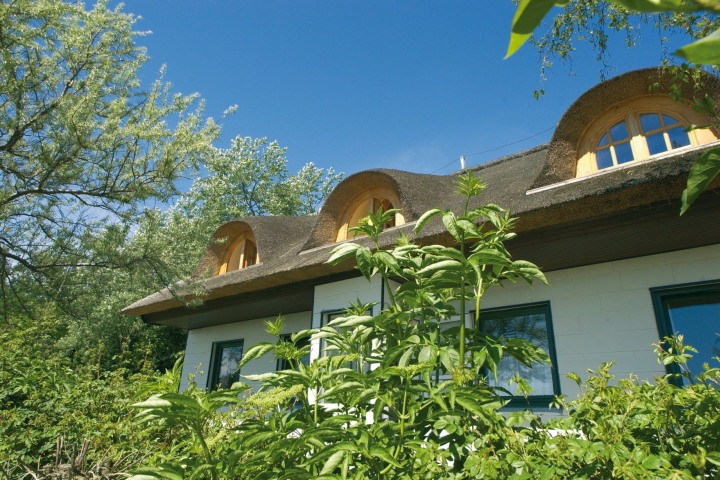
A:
[82,146]
[428,386]
[592,19]
[86,151]
[52,414]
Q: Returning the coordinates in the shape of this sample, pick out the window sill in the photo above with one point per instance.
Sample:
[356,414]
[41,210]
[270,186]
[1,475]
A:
[659,156]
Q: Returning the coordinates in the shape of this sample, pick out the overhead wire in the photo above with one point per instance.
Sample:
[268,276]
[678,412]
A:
[493,149]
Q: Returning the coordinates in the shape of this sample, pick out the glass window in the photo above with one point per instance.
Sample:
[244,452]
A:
[617,151]
[693,311]
[528,322]
[660,132]
[224,364]
[244,254]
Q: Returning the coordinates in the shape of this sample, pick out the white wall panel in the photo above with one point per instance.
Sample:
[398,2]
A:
[604,312]
[199,344]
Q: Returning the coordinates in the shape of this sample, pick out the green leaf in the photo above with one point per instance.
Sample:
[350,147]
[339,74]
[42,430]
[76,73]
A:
[448,219]
[703,171]
[333,462]
[153,402]
[256,351]
[364,261]
[652,462]
[527,17]
[488,257]
[444,265]
[713,457]
[705,51]
[425,218]
[342,252]
[450,358]
[428,354]
[380,452]
[651,5]
[697,127]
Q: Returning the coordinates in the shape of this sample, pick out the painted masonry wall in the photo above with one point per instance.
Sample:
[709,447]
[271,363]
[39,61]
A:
[337,296]
[199,344]
[604,312]
[600,313]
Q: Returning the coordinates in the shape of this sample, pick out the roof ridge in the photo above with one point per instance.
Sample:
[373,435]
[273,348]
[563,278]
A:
[512,156]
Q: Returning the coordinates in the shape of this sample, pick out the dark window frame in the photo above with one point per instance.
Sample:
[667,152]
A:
[661,296]
[216,357]
[280,363]
[525,309]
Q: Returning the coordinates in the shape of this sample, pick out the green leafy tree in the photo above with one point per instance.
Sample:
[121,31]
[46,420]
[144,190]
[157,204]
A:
[250,178]
[82,145]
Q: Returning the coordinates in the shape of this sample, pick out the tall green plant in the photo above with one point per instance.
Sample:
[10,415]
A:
[392,388]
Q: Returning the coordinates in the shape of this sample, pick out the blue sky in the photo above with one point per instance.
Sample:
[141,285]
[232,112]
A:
[353,84]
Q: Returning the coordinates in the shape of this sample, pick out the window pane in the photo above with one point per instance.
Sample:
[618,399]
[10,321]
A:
[669,121]
[531,327]
[250,254]
[698,320]
[230,357]
[603,158]
[618,132]
[603,141]
[678,137]
[656,143]
[650,122]
[623,153]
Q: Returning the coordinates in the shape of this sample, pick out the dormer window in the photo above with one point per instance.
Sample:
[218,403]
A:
[638,130]
[663,132]
[370,201]
[242,254]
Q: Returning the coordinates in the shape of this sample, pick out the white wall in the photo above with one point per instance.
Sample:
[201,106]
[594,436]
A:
[604,312]
[600,313]
[338,295]
[199,344]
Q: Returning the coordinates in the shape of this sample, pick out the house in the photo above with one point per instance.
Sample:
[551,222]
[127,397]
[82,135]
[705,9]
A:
[598,210]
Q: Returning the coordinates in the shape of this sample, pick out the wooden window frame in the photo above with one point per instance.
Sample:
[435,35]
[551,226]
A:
[215,358]
[382,193]
[239,243]
[630,112]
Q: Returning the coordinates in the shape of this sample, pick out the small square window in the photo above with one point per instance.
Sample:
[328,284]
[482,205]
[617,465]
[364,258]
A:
[532,323]
[692,310]
[224,364]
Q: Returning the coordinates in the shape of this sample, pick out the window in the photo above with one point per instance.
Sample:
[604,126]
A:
[532,323]
[283,364]
[655,133]
[692,310]
[243,253]
[663,132]
[224,362]
[370,201]
[637,130]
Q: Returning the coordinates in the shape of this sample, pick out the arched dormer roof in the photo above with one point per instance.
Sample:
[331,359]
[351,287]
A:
[564,148]
[273,237]
[410,190]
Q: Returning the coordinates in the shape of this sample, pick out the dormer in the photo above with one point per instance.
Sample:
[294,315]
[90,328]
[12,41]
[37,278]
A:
[364,192]
[628,119]
[242,253]
[369,201]
[639,129]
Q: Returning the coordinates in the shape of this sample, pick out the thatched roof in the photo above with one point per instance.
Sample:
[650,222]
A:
[534,184]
